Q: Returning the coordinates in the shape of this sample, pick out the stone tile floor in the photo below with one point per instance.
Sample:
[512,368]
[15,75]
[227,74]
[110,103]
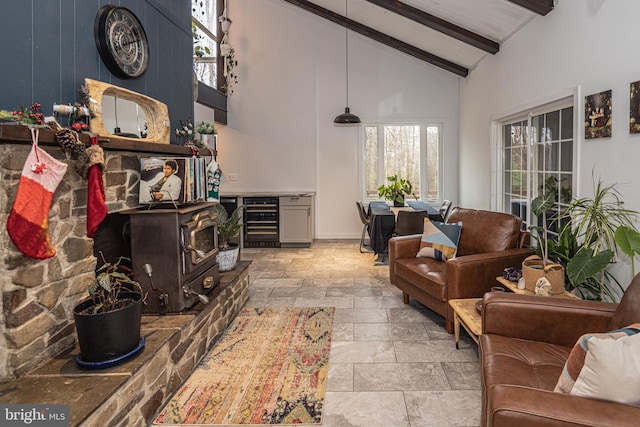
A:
[391,364]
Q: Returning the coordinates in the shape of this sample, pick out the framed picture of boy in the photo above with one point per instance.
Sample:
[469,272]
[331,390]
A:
[597,115]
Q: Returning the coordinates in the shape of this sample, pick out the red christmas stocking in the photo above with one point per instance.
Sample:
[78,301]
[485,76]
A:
[29,218]
[96,207]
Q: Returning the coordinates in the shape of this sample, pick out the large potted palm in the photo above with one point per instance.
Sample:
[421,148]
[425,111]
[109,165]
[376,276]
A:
[228,226]
[590,230]
[108,322]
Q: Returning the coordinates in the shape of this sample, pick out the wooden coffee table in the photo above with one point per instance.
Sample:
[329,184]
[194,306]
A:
[513,287]
[465,314]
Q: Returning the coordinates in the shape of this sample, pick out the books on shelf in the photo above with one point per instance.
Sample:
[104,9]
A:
[175,180]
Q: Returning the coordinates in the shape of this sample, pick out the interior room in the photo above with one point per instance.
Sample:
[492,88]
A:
[216,148]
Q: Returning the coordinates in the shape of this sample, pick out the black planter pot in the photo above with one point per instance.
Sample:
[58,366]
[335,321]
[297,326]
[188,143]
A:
[106,336]
[397,204]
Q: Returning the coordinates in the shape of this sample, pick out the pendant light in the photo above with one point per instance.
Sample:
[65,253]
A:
[346,117]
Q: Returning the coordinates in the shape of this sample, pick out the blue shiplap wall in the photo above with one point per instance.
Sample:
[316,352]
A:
[47,49]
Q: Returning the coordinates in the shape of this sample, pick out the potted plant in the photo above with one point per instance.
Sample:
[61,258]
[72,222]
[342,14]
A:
[108,323]
[228,226]
[396,190]
[207,133]
[588,240]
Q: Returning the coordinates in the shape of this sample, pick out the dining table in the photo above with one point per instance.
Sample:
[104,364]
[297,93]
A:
[383,222]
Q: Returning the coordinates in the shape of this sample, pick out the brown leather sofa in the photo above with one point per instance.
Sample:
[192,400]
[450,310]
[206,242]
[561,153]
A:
[525,343]
[489,243]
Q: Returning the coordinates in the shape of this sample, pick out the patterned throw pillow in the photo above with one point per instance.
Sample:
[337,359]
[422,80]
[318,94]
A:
[604,366]
[439,240]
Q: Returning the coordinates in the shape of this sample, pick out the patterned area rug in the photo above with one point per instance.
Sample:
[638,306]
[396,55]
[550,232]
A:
[269,367]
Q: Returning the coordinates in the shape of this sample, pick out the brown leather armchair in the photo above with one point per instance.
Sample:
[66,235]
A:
[489,243]
[525,343]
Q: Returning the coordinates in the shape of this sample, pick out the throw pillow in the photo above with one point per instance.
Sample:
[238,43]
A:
[578,356]
[611,370]
[439,240]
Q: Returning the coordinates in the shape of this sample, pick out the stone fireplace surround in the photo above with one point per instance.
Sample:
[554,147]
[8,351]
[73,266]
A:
[38,296]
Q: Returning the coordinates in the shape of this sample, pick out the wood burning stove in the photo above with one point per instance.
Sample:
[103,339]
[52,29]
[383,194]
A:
[177,248]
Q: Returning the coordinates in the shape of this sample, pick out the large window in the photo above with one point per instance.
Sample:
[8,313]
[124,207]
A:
[409,151]
[537,157]
[204,26]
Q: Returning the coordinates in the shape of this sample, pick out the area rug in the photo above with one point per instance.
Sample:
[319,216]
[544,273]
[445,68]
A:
[269,367]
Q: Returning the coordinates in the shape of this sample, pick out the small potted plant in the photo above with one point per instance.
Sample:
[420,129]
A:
[207,133]
[228,226]
[396,190]
[108,322]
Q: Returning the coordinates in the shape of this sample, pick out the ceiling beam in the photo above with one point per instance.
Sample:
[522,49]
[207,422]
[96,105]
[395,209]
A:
[381,37]
[541,7]
[439,24]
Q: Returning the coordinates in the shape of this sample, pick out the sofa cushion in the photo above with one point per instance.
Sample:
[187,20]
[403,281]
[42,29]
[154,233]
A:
[513,361]
[485,231]
[590,375]
[425,273]
[439,240]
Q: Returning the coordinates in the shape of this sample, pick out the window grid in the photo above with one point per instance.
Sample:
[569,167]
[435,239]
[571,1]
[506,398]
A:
[410,151]
[537,156]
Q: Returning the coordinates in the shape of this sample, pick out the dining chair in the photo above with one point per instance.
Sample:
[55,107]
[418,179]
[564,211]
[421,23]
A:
[445,209]
[409,222]
[366,223]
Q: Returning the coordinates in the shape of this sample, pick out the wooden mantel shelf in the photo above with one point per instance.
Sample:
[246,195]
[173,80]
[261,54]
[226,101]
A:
[11,133]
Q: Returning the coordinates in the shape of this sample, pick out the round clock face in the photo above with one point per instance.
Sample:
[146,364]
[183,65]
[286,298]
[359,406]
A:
[121,41]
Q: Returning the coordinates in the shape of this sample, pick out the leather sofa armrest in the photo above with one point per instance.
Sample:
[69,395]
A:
[402,247]
[472,275]
[553,320]
[520,406]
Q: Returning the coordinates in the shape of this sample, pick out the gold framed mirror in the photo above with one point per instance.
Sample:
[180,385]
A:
[148,118]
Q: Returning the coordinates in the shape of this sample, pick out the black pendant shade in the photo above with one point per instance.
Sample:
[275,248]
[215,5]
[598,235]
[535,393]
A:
[346,118]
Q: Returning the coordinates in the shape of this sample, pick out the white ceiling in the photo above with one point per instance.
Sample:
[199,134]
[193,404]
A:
[495,20]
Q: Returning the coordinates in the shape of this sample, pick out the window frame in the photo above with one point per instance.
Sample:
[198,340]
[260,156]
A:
[381,179]
[557,102]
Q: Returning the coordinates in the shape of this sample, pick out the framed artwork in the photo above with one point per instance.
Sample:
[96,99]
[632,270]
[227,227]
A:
[634,107]
[597,115]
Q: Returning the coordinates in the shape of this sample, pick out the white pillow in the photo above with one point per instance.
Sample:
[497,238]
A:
[611,370]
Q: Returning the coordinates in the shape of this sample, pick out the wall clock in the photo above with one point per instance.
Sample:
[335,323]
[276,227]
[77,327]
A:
[121,41]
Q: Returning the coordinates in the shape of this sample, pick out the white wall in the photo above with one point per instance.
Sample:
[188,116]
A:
[588,44]
[291,72]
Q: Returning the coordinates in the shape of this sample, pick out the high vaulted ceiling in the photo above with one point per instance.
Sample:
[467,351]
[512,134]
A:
[454,35]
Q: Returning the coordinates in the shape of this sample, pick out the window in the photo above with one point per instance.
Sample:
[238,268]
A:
[410,151]
[204,26]
[537,151]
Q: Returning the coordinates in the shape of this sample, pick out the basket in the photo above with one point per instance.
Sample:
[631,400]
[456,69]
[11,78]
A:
[532,270]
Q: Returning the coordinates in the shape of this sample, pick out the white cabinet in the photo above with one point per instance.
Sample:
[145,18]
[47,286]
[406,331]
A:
[296,220]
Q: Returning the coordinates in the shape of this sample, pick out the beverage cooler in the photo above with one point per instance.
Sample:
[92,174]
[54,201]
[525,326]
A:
[261,223]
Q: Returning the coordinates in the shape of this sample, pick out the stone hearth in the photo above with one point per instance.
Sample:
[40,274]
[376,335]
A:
[38,296]
[130,394]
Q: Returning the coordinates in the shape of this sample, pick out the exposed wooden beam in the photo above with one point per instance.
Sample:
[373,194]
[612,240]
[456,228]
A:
[541,7]
[381,37]
[439,24]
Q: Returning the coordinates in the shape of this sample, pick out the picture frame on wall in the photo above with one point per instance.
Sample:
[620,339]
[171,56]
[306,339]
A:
[597,115]
[634,107]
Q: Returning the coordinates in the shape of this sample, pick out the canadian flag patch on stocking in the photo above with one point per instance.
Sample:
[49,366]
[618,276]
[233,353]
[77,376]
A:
[28,221]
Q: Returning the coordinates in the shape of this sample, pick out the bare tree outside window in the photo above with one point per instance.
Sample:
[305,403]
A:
[408,151]
[204,19]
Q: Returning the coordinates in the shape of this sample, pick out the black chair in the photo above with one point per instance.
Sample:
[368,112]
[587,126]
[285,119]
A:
[445,209]
[366,223]
[409,222]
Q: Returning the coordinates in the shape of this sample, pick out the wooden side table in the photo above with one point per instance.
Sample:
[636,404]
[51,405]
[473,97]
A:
[465,314]
[513,287]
